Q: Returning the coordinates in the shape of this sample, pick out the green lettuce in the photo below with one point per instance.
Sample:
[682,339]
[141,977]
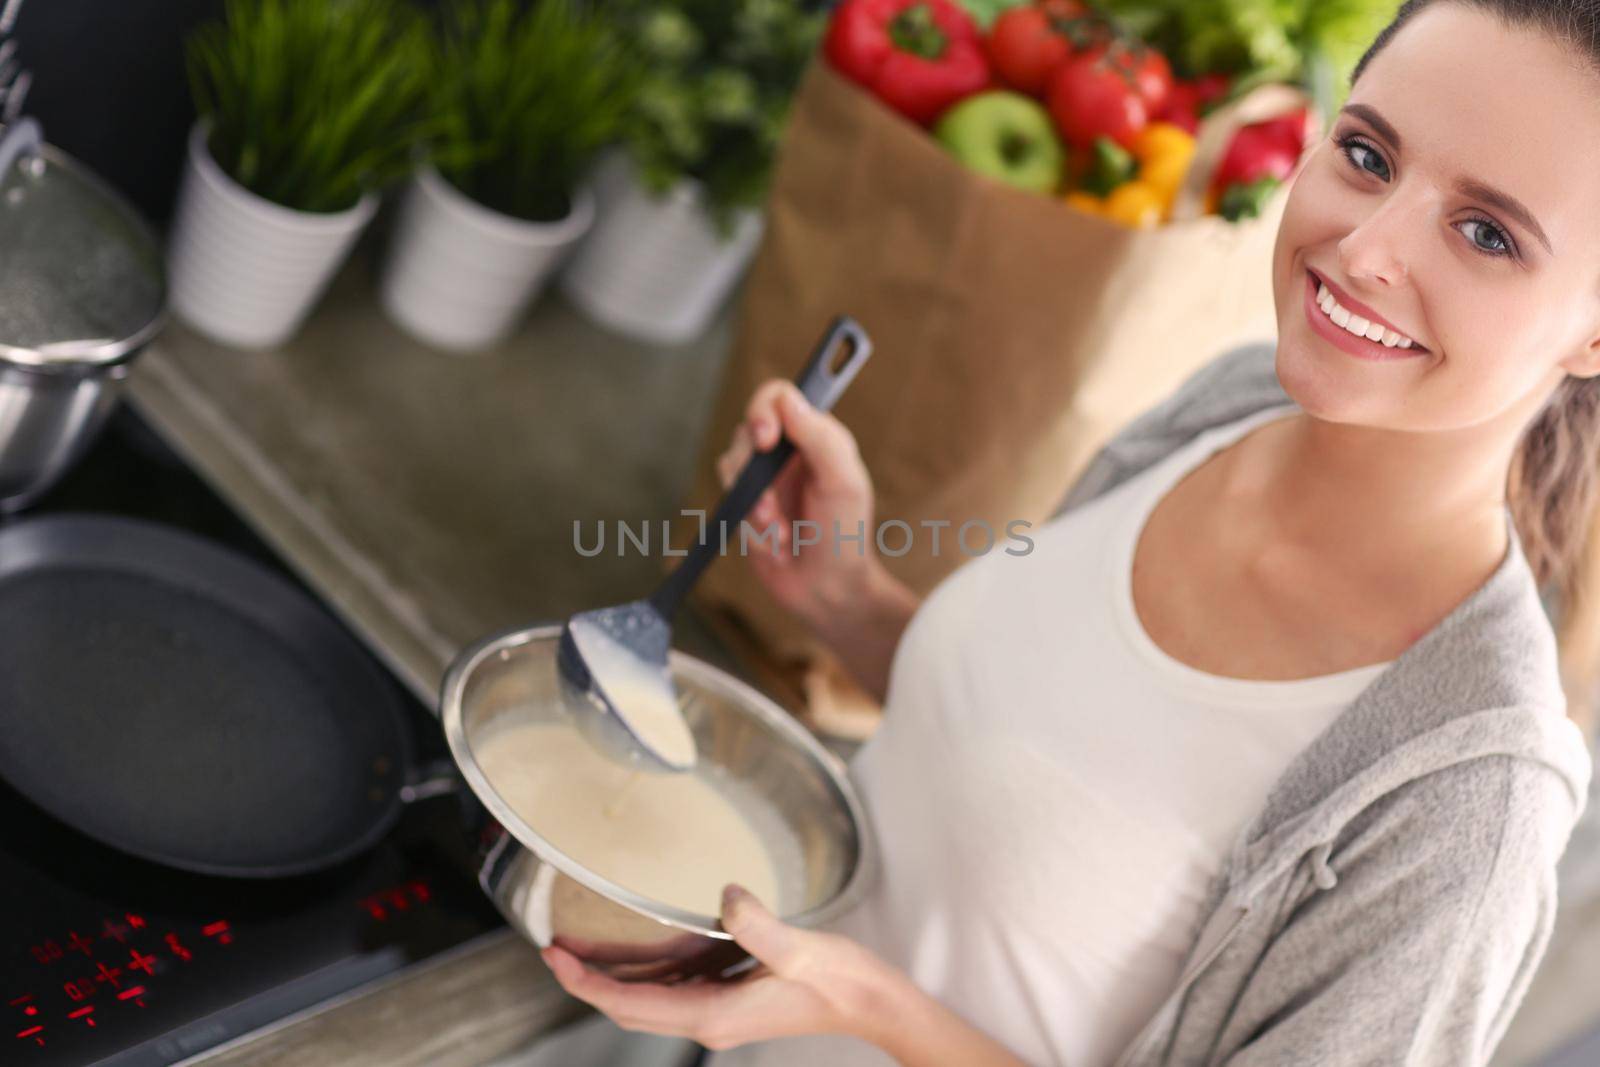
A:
[1315,43]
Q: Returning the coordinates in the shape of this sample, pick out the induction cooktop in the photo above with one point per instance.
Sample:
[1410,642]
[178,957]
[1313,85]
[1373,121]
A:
[110,960]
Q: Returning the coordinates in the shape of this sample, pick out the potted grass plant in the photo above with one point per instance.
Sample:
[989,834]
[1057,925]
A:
[525,96]
[307,108]
[680,198]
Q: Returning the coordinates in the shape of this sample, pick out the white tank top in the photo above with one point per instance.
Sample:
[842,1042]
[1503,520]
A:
[1052,793]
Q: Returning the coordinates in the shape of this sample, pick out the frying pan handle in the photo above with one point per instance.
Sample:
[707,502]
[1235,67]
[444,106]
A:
[821,382]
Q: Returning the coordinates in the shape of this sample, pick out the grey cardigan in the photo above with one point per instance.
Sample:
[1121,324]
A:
[1391,900]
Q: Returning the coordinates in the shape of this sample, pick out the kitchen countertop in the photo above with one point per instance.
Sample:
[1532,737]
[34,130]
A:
[430,498]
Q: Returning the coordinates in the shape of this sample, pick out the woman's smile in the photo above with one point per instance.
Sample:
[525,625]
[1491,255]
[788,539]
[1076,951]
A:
[1325,310]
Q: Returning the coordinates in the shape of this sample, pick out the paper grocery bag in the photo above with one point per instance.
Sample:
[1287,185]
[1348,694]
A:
[1013,335]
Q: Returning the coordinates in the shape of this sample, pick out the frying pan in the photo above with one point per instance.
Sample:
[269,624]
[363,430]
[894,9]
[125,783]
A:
[174,700]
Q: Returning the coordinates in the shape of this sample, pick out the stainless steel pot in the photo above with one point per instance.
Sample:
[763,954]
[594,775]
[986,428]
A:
[792,789]
[46,422]
[82,290]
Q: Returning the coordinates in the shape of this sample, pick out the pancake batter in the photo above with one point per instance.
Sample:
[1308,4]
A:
[675,838]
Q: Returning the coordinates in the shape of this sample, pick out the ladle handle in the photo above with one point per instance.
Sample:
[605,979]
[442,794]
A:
[822,382]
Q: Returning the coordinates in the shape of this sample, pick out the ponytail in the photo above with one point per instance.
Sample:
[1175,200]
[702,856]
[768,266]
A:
[1553,491]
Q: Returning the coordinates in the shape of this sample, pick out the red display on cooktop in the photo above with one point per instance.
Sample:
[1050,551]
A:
[89,979]
[147,987]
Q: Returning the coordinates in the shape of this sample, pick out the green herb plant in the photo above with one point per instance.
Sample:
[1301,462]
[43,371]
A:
[718,76]
[312,102]
[526,96]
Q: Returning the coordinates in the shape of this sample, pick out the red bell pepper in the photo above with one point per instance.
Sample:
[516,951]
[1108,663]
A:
[1182,107]
[1259,158]
[1289,129]
[1209,88]
[917,56]
[1256,151]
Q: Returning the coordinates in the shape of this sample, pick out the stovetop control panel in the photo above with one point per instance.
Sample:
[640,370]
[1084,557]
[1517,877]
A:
[107,959]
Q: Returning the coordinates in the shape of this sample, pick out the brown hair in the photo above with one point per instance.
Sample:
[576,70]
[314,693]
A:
[1553,486]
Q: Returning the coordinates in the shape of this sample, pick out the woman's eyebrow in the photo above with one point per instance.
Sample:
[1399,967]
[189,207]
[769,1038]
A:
[1505,202]
[1470,187]
[1369,114]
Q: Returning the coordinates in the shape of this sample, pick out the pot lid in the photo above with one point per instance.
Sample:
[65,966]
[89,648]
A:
[81,276]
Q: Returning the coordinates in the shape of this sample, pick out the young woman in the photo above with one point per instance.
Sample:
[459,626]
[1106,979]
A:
[1261,755]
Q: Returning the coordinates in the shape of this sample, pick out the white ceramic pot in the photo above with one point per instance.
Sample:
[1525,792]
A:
[655,268]
[245,270]
[458,275]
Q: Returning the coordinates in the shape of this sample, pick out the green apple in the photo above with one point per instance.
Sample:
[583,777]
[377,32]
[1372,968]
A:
[1007,136]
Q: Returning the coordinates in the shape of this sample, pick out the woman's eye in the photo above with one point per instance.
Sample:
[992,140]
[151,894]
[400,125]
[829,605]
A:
[1363,156]
[1488,238]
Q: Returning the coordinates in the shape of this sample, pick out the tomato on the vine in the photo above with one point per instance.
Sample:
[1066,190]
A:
[1153,75]
[1096,94]
[1025,49]
[1027,43]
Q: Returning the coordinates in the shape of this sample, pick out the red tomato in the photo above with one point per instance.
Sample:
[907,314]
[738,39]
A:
[1025,49]
[1095,94]
[1153,74]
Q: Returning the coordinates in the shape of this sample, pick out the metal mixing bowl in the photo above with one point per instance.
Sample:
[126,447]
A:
[791,789]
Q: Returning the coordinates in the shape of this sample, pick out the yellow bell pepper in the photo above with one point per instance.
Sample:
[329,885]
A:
[1164,152]
[1137,203]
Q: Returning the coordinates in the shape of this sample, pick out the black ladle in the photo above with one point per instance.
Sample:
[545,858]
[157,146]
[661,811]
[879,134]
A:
[613,660]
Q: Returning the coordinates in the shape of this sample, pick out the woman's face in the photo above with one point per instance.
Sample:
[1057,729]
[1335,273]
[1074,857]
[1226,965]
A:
[1460,145]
